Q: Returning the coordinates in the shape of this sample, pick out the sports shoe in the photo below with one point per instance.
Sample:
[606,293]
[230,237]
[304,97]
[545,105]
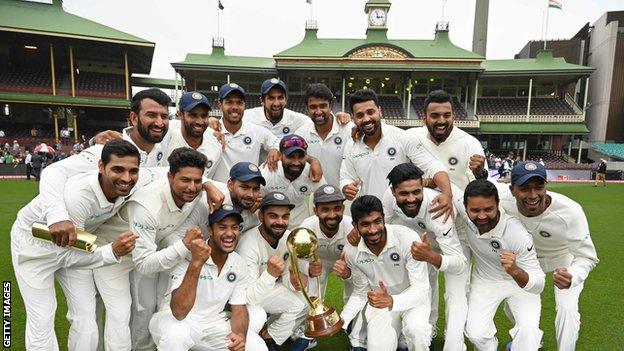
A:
[302,344]
[508,347]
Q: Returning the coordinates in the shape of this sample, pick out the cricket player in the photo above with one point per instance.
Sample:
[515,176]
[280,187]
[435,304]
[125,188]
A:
[326,136]
[194,313]
[407,203]
[192,131]
[264,249]
[36,262]
[369,159]
[389,285]
[243,140]
[291,178]
[562,242]
[506,270]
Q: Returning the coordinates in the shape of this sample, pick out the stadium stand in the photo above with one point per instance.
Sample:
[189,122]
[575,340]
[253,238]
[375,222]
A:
[100,85]
[418,102]
[295,103]
[610,149]
[392,107]
[25,79]
[518,106]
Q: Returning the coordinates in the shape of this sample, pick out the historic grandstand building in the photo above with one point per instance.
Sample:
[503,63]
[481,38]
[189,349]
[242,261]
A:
[527,105]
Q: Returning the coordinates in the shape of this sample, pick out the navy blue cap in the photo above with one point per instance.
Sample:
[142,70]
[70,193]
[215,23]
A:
[191,99]
[269,84]
[291,143]
[275,198]
[226,89]
[245,171]
[224,211]
[327,193]
[526,170]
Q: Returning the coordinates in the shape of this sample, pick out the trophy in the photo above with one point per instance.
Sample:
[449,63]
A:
[322,320]
[84,241]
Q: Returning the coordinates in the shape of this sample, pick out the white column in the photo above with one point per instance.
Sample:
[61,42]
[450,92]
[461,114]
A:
[584,107]
[476,92]
[344,93]
[525,150]
[580,151]
[409,97]
[529,100]
[228,79]
[570,146]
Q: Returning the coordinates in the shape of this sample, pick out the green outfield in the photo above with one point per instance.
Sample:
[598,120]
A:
[601,302]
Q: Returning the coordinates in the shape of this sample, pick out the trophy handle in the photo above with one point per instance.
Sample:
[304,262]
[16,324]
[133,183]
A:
[293,263]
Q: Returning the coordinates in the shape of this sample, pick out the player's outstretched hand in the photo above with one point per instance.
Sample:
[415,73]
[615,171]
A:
[190,235]
[380,298]
[124,244]
[237,342]
[272,158]
[562,278]
[275,266]
[343,117]
[316,171]
[443,206]
[63,233]
[215,196]
[106,136]
[200,251]
[340,267]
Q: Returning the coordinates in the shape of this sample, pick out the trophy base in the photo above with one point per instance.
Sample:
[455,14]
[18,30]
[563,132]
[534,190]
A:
[323,325]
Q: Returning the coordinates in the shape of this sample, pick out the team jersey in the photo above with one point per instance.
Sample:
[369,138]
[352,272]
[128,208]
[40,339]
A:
[442,235]
[154,158]
[214,289]
[256,251]
[297,191]
[244,146]
[558,233]
[250,219]
[153,215]
[454,153]
[210,147]
[406,279]
[328,151]
[510,235]
[371,166]
[329,249]
[290,121]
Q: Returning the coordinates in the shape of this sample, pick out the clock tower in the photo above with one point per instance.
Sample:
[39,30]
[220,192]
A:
[377,14]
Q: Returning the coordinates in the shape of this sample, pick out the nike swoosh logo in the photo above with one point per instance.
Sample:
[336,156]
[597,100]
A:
[530,248]
[448,231]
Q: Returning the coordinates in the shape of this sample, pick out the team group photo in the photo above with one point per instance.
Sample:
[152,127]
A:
[343,192]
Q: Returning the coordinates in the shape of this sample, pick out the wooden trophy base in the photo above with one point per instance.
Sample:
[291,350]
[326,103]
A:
[323,325]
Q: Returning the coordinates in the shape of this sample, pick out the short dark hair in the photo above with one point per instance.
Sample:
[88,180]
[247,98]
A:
[186,157]
[152,93]
[439,97]
[319,91]
[119,148]
[480,188]
[363,95]
[404,172]
[364,205]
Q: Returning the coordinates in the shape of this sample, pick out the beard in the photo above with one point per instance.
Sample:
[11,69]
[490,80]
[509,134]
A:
[410,212]
[293,172]
[274,116]
[193,132]
[438,136]
[276,231]
[331,227]
[144,133]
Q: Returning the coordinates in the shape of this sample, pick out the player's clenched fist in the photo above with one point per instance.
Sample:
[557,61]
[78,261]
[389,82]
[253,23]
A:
[275,266]
[124,244]
[477,163]
[508,261]
[295,282]
[200,251]
[191,234]
[340,267]
[315,268]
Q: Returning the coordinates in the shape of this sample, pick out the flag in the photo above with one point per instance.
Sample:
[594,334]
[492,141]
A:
[220,5]
[309,2]
[554,4]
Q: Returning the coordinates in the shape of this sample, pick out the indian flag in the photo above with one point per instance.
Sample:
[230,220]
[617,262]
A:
[554,4]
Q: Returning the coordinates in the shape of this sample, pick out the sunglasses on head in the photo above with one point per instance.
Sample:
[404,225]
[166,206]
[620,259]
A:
[294,142]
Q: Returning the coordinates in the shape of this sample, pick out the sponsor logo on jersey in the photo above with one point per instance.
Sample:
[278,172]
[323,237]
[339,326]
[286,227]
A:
[366,260]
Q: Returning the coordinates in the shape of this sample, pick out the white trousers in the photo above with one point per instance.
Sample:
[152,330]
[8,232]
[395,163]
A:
[384,328]
[143,289]
[290,308]
[484,299]
[171,334]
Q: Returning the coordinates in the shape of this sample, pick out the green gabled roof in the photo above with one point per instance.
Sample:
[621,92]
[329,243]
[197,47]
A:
[533,128]
[51,19]
[218,60]
[439,48]
[64,100]
[153,82]
[543,63]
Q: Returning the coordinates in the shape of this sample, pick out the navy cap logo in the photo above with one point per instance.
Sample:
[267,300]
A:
[303,189]
[227,207]
[253,167]
[391,151]
[329,190]
[286,255]
[286,130]
[209,164]
[274,80]
[247,140]
[278,196]
[495,244]
[530,166]
[159,156]
[338,140]
[340,247]
[422,225]
[452,161]
[545,234]
[231,277]
[233,85]
[395,257]
[196,96]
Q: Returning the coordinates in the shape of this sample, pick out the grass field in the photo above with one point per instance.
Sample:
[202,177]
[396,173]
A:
[601,306]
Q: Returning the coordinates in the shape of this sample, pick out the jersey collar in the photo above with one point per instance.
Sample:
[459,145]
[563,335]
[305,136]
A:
[390,242]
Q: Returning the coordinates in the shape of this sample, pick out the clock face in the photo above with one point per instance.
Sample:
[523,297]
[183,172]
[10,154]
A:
[377,17]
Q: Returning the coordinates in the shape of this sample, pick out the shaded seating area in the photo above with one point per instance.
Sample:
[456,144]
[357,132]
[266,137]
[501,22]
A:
[35,80]
[611,149]
[518,106]
[418,102]
[100,85]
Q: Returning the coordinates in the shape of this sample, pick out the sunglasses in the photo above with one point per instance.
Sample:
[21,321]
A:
[294,142]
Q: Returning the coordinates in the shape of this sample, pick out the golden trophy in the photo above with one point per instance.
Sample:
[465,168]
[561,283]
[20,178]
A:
[84,241]
[322,320]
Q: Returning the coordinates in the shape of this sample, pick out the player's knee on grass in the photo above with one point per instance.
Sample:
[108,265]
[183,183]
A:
[257,317]
[170,333]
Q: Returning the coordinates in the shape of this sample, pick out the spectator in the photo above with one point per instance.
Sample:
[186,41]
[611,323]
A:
[77,147]
[2,135]
[34,132]
[541,161]
[16,147]
[58,146]
[517,160]
[505,168]
[65,135]
[28,162]
[8,159]
[1,158]
[37,163]
[601,173]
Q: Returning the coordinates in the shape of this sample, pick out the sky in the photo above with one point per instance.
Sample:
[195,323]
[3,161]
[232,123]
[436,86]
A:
[266,27]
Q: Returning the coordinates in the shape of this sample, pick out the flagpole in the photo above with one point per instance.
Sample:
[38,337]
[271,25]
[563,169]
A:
[546,31]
